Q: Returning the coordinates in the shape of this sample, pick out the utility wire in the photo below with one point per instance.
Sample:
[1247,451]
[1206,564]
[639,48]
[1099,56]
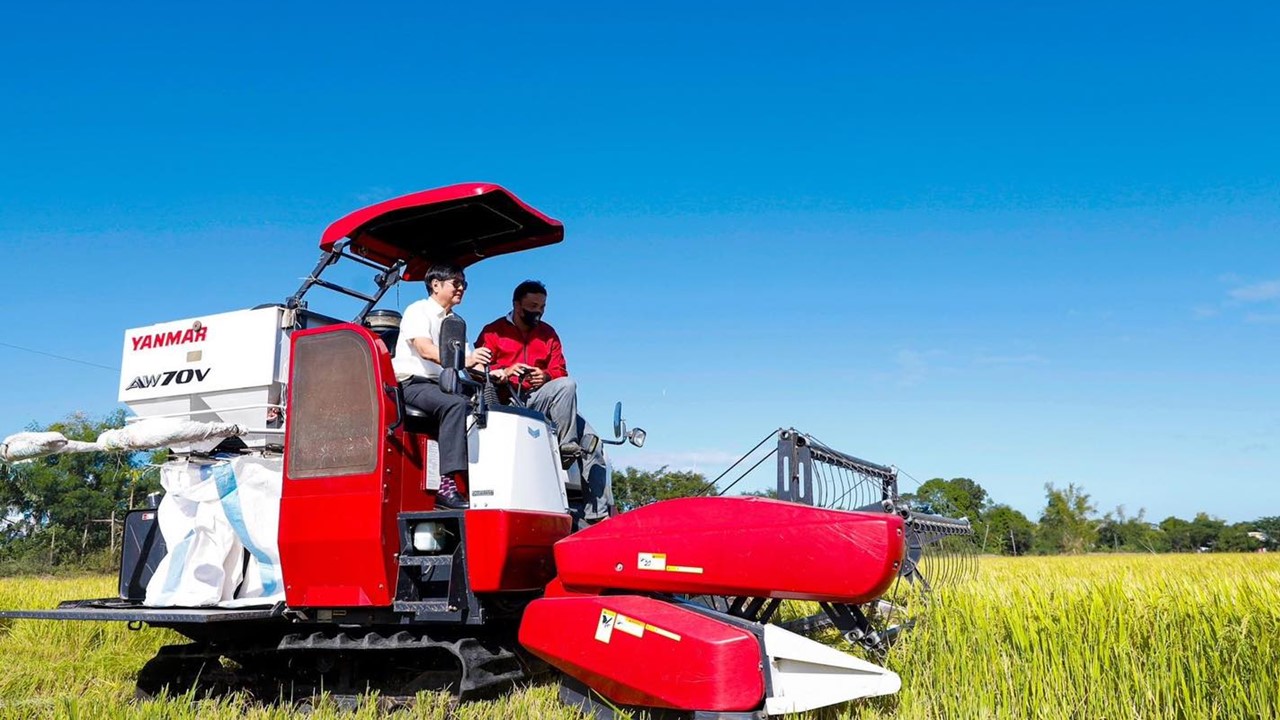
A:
[60,357]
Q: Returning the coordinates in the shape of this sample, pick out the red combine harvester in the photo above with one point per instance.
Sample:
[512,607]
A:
[296,539]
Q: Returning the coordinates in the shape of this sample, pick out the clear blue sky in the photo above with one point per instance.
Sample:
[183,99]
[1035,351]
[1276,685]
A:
[1019,244]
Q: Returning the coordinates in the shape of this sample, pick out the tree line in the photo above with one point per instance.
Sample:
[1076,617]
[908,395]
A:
[1069,523]
[68,510]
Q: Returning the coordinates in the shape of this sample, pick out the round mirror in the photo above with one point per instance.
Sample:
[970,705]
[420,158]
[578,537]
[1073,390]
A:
[617,420]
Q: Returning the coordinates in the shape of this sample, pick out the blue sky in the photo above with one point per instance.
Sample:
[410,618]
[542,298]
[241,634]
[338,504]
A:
[1018,244]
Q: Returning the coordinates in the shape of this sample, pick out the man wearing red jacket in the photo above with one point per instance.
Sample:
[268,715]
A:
[528,360]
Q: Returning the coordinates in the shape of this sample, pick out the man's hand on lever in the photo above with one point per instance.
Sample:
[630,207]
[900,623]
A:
[538,377]
[481,356]
[516,370]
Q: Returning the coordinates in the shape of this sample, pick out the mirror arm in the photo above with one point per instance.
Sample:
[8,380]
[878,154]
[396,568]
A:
[619,427]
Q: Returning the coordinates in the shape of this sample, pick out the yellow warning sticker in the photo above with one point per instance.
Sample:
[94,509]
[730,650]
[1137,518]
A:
[664,633]
[611,620]
[630,626]
[658,561]
[652,561]
[604,628]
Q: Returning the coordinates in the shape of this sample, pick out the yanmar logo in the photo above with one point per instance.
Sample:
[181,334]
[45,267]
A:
[175,377]
[168,339]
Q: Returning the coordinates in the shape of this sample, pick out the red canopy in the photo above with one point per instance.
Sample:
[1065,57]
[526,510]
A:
[459,224]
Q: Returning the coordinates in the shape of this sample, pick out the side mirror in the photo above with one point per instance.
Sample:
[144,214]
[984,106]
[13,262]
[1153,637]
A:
[621,435]
[453,353]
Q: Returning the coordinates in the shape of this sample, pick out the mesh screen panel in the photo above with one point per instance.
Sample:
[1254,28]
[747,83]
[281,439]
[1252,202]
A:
[334,422]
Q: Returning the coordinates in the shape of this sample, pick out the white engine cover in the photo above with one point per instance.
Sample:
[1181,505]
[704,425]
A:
[217,368]
[514,463]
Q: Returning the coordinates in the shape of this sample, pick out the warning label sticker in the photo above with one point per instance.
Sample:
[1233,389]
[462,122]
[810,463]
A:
[630,626]
[604,628]
[611,620]
[658,561]
[652,561]
[664,633]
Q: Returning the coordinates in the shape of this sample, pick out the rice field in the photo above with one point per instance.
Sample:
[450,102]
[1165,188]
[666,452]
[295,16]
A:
[1106,636]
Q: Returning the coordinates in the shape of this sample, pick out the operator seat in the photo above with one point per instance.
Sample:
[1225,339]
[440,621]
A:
[415,421]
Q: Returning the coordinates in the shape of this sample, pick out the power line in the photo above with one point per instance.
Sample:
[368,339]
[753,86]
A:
[60,357]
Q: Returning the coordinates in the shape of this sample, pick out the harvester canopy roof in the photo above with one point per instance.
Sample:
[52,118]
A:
[459,224]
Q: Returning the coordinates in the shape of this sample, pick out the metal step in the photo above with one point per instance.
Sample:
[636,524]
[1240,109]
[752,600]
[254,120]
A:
[426,560]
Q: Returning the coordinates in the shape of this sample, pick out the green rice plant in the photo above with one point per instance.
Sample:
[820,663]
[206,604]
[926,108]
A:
[1111,636]
[1173,636]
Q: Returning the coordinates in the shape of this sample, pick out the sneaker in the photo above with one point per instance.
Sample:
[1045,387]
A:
[450,499]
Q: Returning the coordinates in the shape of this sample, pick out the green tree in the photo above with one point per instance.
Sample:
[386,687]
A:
[1007,531]
[1177,533]
[1235,538]
[1205,530]
[1119,532]
[1067,525]
[1270,527]
[633,487]
[957,497]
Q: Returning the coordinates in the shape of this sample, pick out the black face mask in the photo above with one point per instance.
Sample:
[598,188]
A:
[531,319]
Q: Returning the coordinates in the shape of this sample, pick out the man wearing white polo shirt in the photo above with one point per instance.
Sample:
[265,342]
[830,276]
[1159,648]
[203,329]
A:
[417,366]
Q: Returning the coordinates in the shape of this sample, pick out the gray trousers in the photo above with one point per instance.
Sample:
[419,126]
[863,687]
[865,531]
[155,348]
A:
[558,400]
[449,425]
[597,487]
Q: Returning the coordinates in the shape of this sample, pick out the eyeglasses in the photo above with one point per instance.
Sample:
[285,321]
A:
[458,283]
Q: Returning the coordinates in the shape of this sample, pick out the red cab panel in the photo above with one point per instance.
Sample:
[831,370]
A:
[741,546]
[345,479]
[510,550]
[640,651]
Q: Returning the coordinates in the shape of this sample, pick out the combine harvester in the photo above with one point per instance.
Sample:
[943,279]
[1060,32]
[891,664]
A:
[295,538]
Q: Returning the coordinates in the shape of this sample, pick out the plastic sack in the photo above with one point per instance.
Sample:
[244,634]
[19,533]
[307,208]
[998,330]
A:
[203,564]
[250,490]
[210,517]
[163,432]
[27,445]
